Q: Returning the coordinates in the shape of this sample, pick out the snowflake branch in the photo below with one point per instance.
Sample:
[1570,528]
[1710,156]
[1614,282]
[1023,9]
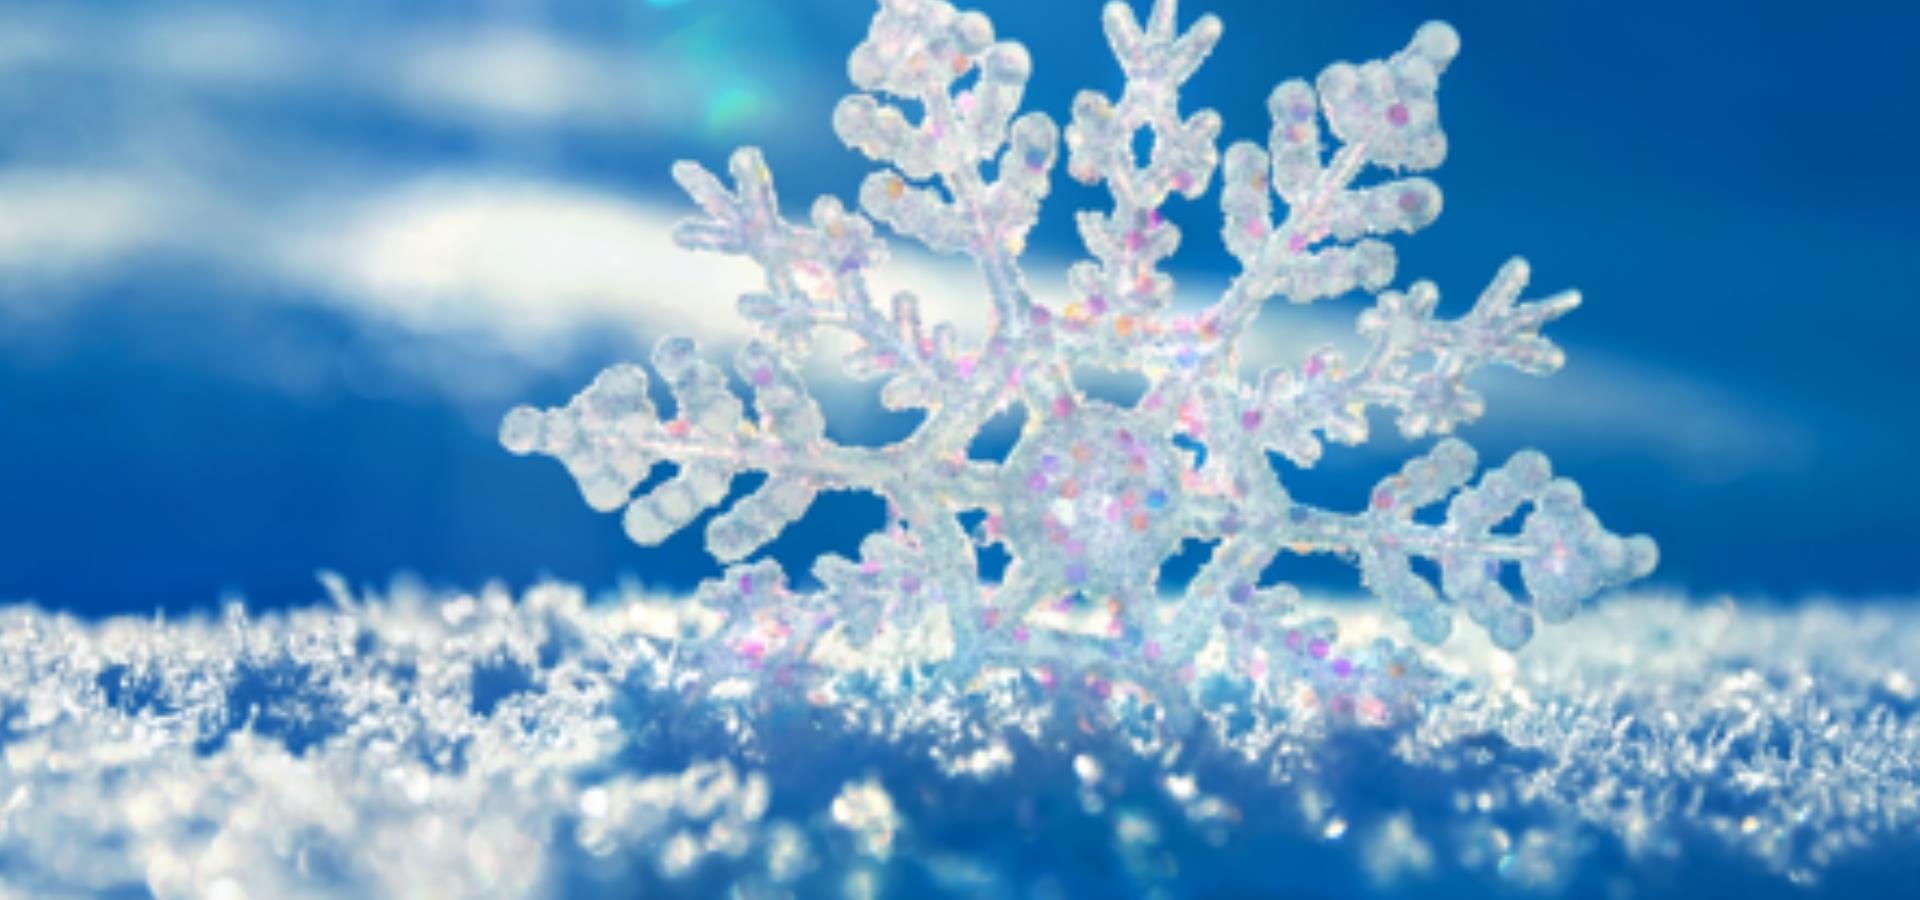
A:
[1385,114]
[1292,408]
[816,277]
[610,438]
[918,49]
[1563,553]
[1116,295]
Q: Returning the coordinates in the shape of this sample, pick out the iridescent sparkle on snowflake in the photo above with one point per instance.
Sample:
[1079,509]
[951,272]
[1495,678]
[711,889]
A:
[1094,497]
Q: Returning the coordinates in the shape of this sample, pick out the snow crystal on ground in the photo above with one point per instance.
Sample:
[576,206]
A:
[440,744]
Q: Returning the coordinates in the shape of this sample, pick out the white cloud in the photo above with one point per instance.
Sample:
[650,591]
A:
[513,75]
[490,75]
[209,45]
[51,220]
[526,260]
[1709,432]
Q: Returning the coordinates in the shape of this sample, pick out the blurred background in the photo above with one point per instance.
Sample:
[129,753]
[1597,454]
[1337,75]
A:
[271,271]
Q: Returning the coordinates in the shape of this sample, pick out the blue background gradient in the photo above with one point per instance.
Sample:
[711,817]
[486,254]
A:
[184,413]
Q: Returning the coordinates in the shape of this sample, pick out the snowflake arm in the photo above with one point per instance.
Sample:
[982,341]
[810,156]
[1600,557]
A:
[1118,294]
[610,438]
[1293,408]
[1562,552]
[917,50]
[816,277]
[1385,114]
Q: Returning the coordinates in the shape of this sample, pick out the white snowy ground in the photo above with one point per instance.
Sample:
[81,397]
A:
[422,744]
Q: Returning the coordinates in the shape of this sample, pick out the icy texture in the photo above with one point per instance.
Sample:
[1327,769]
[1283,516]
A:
[420,744]
[1094,497]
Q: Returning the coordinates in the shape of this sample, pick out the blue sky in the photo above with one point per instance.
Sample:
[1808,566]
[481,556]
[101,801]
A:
[269,272]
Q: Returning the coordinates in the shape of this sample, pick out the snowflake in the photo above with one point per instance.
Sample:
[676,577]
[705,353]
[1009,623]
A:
[1094,497]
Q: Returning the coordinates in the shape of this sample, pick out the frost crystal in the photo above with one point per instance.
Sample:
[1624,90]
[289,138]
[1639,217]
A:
[410,743]
[1094,497]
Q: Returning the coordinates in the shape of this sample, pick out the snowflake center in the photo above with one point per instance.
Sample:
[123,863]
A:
[1093,501]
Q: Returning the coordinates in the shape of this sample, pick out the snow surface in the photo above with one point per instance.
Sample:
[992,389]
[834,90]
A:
[424,743]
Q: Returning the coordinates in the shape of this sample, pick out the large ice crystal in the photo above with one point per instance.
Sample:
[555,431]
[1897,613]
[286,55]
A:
[1094,496]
